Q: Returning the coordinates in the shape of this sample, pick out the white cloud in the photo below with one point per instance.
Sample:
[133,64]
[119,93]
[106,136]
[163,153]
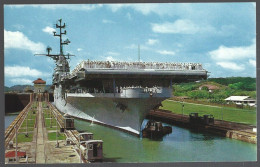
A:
[110,58]
[143,8]
[18,40]
[152,41]
[113,53]
[253,4]
[20,71]
[81,7]
[21,81]
[231,66]
[252,62]
[107,21]
[181,27]
[166,52]
[48,30]
[234,53]
[128,15]
[79,49]
[234,57]
[116,7]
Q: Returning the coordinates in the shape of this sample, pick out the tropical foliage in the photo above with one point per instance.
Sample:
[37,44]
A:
[233,86]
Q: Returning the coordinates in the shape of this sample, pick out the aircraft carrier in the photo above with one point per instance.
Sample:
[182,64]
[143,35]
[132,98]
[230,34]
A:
[116,94]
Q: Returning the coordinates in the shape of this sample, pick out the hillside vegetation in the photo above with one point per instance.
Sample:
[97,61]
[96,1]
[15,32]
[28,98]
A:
[232,86]
[203,102]
[237,83]
[21,88]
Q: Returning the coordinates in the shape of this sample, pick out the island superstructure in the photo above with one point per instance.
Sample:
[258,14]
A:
[117,94]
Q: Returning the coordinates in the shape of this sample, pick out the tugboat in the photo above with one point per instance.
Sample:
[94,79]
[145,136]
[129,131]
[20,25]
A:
[154,129]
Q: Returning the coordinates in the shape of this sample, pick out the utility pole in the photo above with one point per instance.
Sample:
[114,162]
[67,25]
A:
[57,143]
[222,114]
[16,143]
[182,105]
[51,120]
[80,159]
[26,125]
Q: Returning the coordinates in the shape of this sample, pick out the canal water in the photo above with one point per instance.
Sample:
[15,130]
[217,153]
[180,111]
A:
[182,145]
[9,119]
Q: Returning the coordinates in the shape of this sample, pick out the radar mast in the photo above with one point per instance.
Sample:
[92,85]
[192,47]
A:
[62,65]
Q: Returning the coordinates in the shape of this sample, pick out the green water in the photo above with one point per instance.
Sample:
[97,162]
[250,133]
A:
[182,145]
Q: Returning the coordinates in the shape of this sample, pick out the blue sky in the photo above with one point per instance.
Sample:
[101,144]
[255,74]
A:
[221,36]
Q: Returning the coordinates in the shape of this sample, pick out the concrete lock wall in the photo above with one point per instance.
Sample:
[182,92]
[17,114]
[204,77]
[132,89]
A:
[51,98]
[16,102]
[42,97]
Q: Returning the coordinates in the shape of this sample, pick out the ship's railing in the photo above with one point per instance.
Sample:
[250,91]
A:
[135,65]
[140,65]
[77,68]
[117,90]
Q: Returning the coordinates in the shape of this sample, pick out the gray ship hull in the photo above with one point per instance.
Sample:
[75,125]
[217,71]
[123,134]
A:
[108,111]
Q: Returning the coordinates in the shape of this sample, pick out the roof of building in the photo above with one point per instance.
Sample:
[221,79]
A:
[11,154]
[39,81]
[237,98]
[250,99]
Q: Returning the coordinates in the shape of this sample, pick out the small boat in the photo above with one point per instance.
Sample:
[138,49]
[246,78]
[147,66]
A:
[155,129]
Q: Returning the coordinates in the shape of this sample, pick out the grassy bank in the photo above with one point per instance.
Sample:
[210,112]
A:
[50,125]
[229,114]
[50,121]
[22,138]
[52,136]
[28,122]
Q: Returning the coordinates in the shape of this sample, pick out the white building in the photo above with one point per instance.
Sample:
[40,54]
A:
[241,100]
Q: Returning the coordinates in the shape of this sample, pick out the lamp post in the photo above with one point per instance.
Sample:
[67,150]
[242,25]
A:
[16,143]
[57,143]
[182,106]
[26,125]
[80,160]
[222,114]
[51,120]
[49,112]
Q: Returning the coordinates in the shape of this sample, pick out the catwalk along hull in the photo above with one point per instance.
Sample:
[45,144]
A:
[107,110]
